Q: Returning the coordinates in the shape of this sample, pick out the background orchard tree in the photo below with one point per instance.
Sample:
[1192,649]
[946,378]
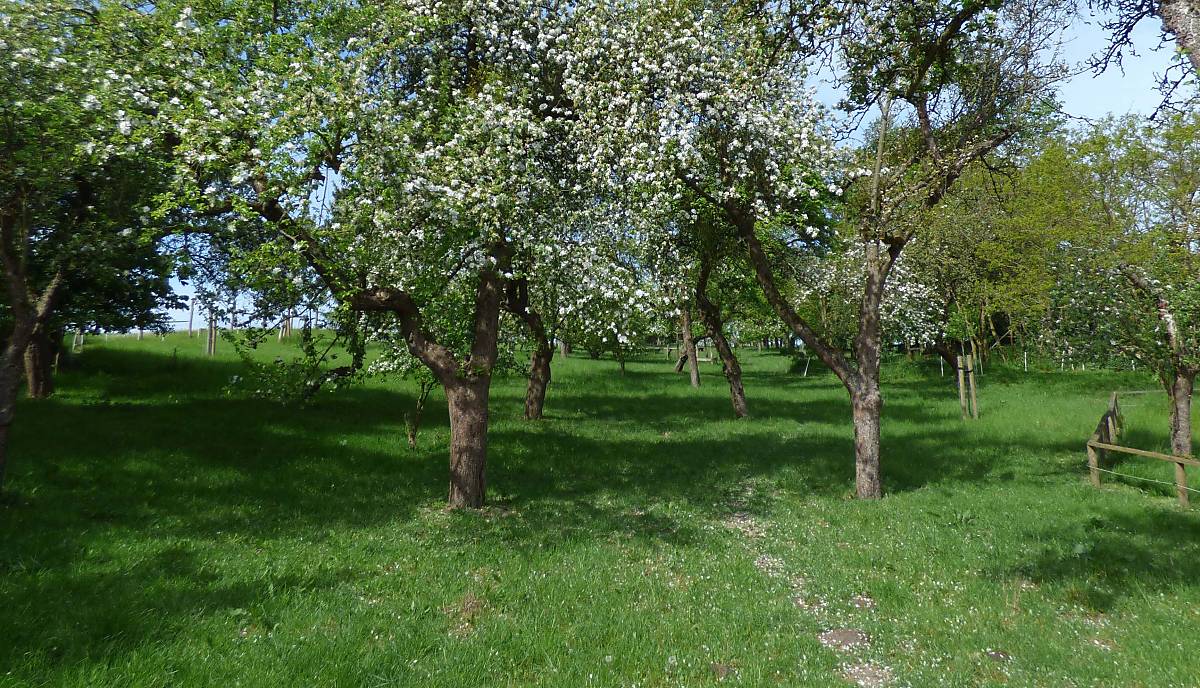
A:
[725,295]
[700,108]
[986,258]
[78,167]
[1132,289]
[722,280]
[591,292]
[710,99]
[129,290]
[828,286]
[953,82]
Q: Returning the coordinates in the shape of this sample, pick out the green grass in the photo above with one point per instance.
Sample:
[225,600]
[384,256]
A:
[161,531]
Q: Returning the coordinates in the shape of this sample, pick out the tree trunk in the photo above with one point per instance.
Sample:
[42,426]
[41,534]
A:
[733,373]
[1180,393]
[865,399]
[862,382]
[1182,19]
[710,314]
[27,318]
[10,381]
[39,365]
[539,370]
[866,405]
[943,349]
[689,345]
[467,400]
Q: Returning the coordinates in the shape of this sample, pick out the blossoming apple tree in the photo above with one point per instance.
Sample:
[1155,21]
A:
[417,157]
[78,169]
[710,98]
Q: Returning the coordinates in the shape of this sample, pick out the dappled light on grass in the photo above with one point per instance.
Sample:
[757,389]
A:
[162,523]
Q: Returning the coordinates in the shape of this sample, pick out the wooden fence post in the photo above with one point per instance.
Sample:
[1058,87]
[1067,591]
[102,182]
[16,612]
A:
[962,388]
[1093,465]
[971,381]
[1181,488]
[1114,413]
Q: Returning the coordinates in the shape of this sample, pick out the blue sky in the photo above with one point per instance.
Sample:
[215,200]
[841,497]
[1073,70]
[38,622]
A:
[1085,95]
[1115,92]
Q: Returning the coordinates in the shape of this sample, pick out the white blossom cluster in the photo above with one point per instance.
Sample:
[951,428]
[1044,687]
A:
[911,311]
[673,97]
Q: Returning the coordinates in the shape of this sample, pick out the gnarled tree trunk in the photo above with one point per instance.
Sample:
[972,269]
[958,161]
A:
[467,384]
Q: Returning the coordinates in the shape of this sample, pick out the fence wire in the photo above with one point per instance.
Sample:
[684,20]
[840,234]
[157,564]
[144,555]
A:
[1149,480]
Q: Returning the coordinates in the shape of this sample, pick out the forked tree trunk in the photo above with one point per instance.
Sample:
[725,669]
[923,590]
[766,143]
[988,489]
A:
[10,378]
[27,319]
[467,383]
[39,365]
[1180,393]
[861,382]
[689,345]
[467,401]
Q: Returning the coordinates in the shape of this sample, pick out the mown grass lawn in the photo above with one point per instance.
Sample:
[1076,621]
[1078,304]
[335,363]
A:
[162,531]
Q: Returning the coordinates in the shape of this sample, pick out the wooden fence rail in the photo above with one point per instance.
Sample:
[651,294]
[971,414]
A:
[1105,439]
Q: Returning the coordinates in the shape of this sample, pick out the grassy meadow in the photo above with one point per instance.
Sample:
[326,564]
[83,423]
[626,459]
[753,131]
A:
[162,529]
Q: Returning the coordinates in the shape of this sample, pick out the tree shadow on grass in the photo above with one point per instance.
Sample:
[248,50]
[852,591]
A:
[148,451]
[1117,550]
